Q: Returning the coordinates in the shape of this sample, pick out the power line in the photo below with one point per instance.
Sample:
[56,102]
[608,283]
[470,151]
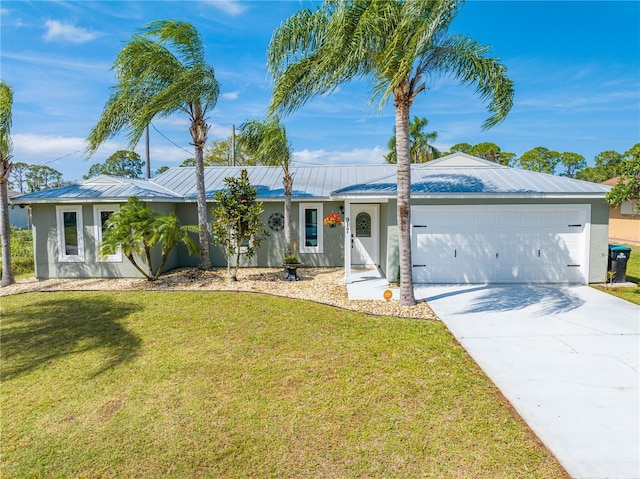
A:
[64,156]
[169,140]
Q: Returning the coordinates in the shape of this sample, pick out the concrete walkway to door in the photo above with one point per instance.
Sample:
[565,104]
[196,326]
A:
[566,357]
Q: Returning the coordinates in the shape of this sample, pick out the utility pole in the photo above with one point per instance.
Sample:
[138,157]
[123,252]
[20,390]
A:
[146,136]
[233,145]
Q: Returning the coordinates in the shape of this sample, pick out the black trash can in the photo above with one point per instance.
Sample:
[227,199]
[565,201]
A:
[618,257]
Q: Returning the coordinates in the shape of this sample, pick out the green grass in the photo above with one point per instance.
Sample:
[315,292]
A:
[196,384]
[21,253]
[633,275]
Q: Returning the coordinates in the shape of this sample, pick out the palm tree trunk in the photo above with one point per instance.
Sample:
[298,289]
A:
[402,104]
[199,129]
[147,252]
[5,234]
[165,257]
[132,260]
[287,181]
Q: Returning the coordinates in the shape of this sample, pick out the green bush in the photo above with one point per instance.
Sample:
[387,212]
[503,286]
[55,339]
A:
[21,252]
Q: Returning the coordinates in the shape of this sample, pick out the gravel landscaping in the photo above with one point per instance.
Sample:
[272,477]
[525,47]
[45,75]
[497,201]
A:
[322,285]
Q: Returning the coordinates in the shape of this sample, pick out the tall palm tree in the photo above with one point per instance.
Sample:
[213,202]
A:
[421,149]
[162,71]
[6,101]
[266,140]
[399,45]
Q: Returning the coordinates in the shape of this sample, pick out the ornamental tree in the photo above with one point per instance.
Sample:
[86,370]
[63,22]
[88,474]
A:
[237,228]
[628,187]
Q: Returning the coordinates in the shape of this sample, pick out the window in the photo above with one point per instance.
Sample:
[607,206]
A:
[70,235]
[310,228]
[363,225]
[101,214]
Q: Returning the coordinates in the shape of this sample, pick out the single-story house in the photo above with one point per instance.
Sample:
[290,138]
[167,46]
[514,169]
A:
[473,221]
[624,220]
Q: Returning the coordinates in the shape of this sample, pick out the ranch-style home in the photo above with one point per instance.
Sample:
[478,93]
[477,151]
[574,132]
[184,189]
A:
[473,221]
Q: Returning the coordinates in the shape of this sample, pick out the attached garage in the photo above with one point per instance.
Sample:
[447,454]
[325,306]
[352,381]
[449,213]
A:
[500,244]
[475,222]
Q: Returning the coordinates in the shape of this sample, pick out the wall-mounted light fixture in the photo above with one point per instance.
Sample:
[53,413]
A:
[341,209]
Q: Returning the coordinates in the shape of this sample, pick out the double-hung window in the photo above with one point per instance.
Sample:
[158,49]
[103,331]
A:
[101,214]
[310,228]
[70,233]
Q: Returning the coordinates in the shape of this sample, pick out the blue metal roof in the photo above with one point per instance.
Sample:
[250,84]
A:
[308,181]
[101,189]
[456,174]
[460,174]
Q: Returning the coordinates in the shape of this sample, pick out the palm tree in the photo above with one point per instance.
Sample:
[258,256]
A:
[162,71]
[267,142]
[6,101]
[399,45]
[421,149]
[131,229]
[168,232]
[136,229]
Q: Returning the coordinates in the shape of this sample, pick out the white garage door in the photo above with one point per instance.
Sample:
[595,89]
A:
[500,244]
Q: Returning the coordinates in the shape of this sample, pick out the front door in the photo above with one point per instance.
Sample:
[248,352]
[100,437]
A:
[364,235]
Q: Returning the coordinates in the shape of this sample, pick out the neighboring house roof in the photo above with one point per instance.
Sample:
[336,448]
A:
[611,181]
[456,174]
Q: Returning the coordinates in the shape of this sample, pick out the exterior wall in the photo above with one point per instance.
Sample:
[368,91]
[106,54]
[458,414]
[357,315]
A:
[46,248]
[271,250]
[391,246]
[598,238]
[623,228]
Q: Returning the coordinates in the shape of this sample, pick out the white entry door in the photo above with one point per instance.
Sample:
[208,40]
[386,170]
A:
[365,240]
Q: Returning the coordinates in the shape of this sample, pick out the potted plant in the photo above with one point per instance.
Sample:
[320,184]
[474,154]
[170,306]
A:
[332,220]
[291,263]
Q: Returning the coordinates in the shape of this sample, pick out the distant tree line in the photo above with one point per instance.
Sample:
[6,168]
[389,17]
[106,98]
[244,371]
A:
[27,178]
[608,164]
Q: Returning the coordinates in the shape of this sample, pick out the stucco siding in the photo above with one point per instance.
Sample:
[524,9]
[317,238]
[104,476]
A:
[47,254]
[271,250]
[392,269]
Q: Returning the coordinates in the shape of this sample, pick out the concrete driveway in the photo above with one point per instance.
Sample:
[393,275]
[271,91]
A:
[566,357]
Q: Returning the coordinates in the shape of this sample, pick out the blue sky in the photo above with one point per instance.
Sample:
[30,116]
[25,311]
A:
[575,65]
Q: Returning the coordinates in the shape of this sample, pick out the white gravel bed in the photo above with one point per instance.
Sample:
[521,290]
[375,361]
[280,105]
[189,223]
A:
[322,285]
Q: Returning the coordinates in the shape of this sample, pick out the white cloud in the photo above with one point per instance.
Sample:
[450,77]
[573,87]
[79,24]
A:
[4,11]
[357,156]
[230,7]
[66,32]
[232,95]
[45,147]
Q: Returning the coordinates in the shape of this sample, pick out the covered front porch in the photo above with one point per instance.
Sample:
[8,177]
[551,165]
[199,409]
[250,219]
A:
[366,226]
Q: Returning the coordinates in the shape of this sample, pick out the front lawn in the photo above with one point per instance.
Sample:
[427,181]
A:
[201,384]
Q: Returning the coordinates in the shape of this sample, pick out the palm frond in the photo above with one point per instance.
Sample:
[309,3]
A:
[465,59]
[6,104]
[182,36]
[159,72]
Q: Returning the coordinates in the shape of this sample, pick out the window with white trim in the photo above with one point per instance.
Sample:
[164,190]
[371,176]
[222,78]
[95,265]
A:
[310,228]
[70,233]
[101,214]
